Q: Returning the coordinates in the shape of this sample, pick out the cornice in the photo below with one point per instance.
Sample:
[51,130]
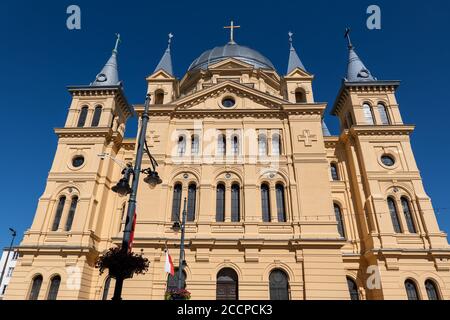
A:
[102,132]
[331,142]
[283,111]
[237,113]
[394,130]
[112,91]
[128,144]
[389,86]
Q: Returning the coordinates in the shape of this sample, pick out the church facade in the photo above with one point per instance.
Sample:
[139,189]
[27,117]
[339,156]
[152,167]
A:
[276,206]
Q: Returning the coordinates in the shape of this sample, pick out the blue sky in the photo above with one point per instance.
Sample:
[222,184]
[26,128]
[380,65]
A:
[39,57]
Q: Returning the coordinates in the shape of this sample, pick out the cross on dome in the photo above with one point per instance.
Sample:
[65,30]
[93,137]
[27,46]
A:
[232,27]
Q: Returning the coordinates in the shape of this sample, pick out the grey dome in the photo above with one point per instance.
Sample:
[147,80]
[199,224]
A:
[231,50]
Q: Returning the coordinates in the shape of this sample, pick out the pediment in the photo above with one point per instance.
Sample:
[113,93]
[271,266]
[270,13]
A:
[161,74]
[299,73]
[270,75]
[229,64]
[246,98]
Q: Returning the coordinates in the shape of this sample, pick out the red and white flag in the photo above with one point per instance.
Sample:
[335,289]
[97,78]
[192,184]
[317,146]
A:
[169,264]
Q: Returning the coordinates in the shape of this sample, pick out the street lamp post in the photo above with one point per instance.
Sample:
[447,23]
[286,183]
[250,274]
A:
[123,188]
[13,234]
[182,257]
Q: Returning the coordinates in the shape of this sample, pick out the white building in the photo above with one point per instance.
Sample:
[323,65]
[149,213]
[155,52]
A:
[10,265]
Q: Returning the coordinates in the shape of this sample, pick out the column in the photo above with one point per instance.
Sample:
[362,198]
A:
[273,205]
[228,203]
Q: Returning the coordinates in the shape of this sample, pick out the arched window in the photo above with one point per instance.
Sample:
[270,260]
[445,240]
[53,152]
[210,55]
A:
[300,96]
[432,290]
[262,145]
[97,115]
[368,115]
[334,172]
[411,290]
[352,289]
[279,285]
[235,203]
[235,145]
[106,288]
[276,145]
[265,202]
[54,288]
[35,287]
[181,146]
[383,114]
[192,198]
[227,285]
[340,221]
[281,203]
[195,144]
[220,203]
[407,213]
[176,202]
[82,117]
[59,212]
[172,281]
[159,97]
[394,215]
[71,215]
[221,145]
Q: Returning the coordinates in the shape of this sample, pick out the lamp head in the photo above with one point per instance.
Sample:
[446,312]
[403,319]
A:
[153,179]
[122,187]
[14,233]
[176,226]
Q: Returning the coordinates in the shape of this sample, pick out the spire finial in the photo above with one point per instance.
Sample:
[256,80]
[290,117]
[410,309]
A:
[118,40]
[347,35]
[356,70]
[170,40]
[232,27]
[166,60]
[290,38]
[109,75]
[294,60]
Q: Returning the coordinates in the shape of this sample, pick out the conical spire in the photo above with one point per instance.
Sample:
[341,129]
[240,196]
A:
[109,76]
[294,60]
[166,61]
[356,71]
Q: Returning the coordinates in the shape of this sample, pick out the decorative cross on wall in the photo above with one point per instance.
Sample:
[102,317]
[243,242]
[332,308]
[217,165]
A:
[307,138]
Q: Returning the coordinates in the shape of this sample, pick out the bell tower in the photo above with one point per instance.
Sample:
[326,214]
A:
[390,202]
[298,82]
[72,210]
[162,84]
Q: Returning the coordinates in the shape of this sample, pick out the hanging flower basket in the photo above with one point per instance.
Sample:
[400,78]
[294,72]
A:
[121,264]
[177,294]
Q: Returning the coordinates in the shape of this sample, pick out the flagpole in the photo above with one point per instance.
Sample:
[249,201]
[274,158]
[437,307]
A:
[181,264]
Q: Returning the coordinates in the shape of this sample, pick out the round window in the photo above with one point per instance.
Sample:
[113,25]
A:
[77,161]
[388,161]
[228,102]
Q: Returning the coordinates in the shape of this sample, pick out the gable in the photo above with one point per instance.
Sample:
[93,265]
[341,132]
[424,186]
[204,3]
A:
[229,64]
[246,98]
[160,75]
[299,73]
